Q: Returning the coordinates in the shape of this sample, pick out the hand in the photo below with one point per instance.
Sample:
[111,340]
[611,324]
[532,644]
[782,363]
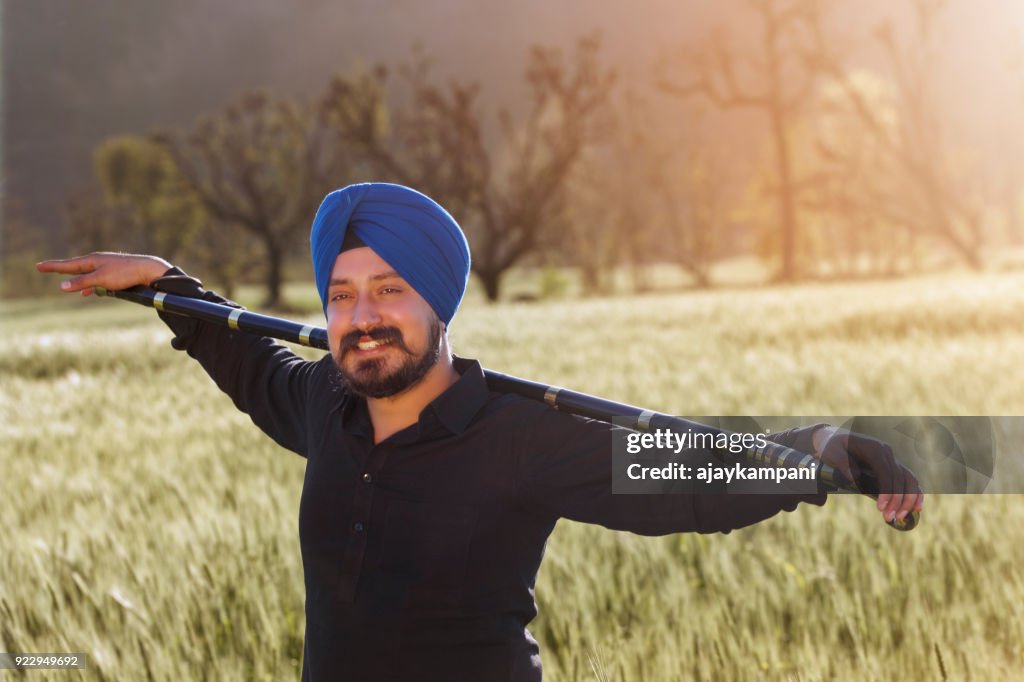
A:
[855,455]
[104,269]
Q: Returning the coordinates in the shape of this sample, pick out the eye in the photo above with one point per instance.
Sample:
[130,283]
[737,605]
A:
[390,290]
[338,296]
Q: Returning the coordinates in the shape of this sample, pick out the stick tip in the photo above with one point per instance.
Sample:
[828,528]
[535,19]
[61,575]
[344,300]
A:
[909,522]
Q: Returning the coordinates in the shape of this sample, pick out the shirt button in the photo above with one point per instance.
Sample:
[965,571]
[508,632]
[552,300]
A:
[367,478]
[358,527]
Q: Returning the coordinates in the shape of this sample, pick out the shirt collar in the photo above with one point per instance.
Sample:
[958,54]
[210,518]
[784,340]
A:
[454,409]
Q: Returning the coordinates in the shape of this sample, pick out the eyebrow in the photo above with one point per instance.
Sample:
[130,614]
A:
[390,274]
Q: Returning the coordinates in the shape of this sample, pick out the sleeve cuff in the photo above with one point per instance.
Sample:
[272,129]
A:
[176,281]
[801,439]
[179,283]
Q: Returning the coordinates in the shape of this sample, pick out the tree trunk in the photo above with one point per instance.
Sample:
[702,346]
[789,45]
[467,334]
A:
[226,279]
[971,252]
[787,208]
[491,279]
[275,268]
[590,276]
[1013,221]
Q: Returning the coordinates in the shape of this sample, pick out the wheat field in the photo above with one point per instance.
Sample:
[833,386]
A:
[145,522]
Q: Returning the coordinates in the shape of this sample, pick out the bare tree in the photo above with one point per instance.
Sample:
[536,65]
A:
[937,192]
[692,192]
[262,164]
[22,244]
[143,188]
[650,193]
[772,77]
[225,252]
[91,223]
[589,238]
[1011,164]
[505,192]
[608,216]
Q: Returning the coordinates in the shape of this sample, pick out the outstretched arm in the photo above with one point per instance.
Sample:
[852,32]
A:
[106,269]
[567,472]
[264,379]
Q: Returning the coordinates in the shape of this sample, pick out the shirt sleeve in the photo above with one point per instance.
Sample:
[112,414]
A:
[566,472]
[264,379]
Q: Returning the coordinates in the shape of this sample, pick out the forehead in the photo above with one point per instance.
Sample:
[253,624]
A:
[359,263]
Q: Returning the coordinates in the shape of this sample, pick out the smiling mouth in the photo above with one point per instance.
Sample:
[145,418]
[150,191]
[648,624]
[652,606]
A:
[372,344]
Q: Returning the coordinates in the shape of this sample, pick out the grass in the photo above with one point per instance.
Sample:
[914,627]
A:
[147,523]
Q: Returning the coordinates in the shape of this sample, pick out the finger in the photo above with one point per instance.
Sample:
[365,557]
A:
[78,283]
[901,492]
[893,511]
[68,266]
[896,499]
[909,505]
[883,484]
[912,498]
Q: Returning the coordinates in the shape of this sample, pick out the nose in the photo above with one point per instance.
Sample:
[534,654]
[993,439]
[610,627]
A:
[364,313]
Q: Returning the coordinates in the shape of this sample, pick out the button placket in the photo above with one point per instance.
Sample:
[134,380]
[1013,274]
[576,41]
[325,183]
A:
[362,504]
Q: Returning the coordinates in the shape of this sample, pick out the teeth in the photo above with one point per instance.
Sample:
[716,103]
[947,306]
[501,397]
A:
[369,345]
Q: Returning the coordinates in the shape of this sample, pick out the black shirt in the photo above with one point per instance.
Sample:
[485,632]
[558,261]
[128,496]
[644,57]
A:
[421,553]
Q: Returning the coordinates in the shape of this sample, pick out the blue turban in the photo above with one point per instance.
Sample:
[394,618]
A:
[409,230]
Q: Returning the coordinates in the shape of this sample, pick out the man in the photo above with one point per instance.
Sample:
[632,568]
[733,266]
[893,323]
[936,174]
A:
[427,498]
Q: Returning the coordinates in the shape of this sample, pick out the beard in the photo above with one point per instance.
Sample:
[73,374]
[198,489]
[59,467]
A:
[371,378]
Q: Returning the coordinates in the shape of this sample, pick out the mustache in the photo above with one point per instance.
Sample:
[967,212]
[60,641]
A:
[389,334]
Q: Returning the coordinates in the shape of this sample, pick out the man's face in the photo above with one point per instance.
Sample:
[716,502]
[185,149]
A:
[383,336]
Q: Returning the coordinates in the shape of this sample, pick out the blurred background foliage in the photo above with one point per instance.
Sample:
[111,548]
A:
[826,139]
